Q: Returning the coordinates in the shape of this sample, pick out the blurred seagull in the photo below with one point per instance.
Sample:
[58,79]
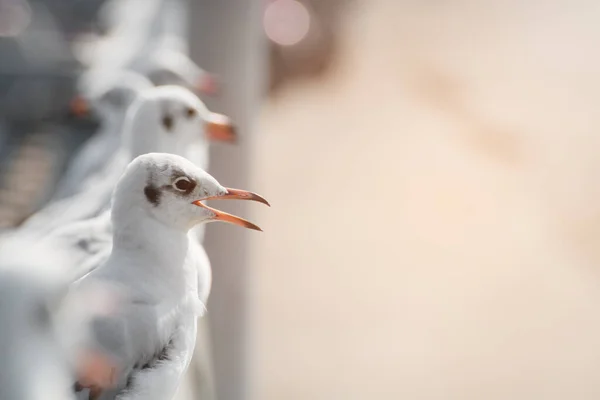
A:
[110,104]
[150,341]
[42,333]
[148,37]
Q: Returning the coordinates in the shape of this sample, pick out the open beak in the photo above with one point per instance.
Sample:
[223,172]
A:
[232,219]
[79,107]
[220,129]
[207,84]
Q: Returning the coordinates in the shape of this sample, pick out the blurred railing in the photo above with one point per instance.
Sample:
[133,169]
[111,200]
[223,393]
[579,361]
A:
[38,77]
[226,37]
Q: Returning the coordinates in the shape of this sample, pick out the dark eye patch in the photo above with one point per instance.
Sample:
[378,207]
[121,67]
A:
[190,112]
[168,122]
[152,194]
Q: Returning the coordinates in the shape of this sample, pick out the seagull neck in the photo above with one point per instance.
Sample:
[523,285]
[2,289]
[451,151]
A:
[139,136]
[136,147]
[137,236]
[117,123]
[139,147]
[112,121]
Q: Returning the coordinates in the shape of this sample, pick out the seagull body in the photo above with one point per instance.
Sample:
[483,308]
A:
[89,244]
[153,264]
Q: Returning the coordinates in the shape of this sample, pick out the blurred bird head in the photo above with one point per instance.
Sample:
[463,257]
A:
[111,99]
[172,190]
[169,67]
[121,92]
[172,119]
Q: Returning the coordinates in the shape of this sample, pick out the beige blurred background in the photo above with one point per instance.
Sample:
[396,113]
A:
[435,221]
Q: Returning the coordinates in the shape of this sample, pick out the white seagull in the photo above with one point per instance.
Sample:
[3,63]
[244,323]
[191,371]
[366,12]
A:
[151,339]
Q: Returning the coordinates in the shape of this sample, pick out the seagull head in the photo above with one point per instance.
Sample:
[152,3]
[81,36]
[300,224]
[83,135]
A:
[170,67]
[172,190]
[111,99]
[171,119]
[116,97]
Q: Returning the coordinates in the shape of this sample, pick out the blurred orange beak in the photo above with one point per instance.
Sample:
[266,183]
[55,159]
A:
[220,129]
[207,85]
[96,371]
[79,107]
[232,219]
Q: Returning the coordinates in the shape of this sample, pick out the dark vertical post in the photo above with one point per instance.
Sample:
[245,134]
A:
[226,38]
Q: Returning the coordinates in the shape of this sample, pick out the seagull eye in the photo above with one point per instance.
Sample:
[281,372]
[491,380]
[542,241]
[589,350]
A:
[183,184]
[190,112]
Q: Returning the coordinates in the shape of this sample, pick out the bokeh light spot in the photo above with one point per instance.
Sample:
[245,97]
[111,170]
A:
[15,16]
[286,22]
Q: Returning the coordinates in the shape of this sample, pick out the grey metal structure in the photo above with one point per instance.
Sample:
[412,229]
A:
[226,37]
[38,76]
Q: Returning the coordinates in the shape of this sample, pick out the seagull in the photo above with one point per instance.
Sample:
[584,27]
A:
[157,48]
[150,341]
[110,105]
[42,333]
[169,119]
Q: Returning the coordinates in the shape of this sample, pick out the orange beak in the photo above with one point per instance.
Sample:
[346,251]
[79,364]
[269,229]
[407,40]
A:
[96,371]
[232,219]
[220,129]
[79,107]
[207,84]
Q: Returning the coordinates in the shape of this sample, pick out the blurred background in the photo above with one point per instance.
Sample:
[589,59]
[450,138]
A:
[434,177]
